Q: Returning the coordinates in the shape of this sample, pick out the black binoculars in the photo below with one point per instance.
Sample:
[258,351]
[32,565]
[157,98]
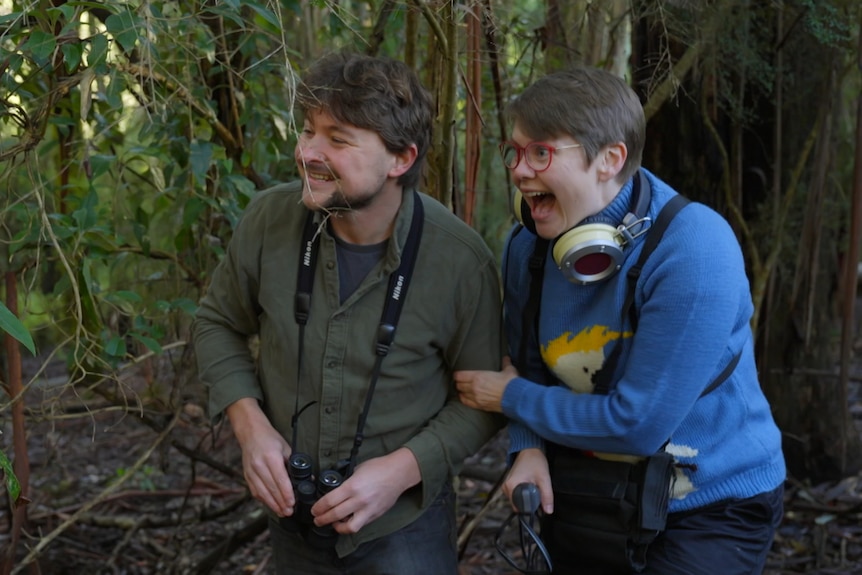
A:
[307,491]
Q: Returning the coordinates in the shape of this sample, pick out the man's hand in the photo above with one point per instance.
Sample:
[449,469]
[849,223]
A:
[367,494]
[531,466]
[264,456]
[484,389]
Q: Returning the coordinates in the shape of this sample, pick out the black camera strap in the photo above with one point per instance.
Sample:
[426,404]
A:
[399,281]
[302,306]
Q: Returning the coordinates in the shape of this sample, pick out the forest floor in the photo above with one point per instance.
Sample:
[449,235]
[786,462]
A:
[109,497]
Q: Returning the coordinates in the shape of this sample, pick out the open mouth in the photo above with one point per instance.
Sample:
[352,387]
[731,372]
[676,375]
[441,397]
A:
[319,173]
[327,177]
[541,204]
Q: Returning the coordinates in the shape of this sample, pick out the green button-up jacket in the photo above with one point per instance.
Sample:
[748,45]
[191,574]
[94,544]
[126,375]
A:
[450,321]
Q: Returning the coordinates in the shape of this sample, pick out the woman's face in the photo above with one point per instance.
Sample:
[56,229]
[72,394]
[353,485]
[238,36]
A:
[564,193]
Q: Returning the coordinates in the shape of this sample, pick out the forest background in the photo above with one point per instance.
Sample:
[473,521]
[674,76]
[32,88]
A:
[133,133]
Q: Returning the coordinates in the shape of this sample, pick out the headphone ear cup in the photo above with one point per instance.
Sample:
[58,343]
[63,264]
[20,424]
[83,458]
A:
[589,253]
[521,211]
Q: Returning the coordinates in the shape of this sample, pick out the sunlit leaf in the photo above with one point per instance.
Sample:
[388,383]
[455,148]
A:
[12,485]
[266,14]
[124,27]
[6,19]
[13,326]
[98,52]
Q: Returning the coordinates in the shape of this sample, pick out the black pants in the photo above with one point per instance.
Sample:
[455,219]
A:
[727,538]
[425,547]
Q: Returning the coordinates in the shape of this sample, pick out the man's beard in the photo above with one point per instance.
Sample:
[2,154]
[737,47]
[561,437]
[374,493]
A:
[339,202]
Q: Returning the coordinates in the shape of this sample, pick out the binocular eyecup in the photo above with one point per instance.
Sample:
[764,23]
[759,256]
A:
[308,490]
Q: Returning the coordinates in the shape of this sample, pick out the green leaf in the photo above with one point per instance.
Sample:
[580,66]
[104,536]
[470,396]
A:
[239,185]
[13,326]
[130,296]
[192,210]
[40,44]
[88,286]
[267,15]
[14,61]
[185,305]
[98,53]
[101,163]
[100,239]
[7,19]
[85,216]
[141,229]
[124,27]
[201,156]
[72,54]
[116,346]
[23,239]
[67,11]
[149,342]
[113,91]
[12,485]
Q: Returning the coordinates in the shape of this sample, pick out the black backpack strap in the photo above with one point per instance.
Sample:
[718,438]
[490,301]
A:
[653,237]
[529,326]
[602,378]
[725,373]
[667,213]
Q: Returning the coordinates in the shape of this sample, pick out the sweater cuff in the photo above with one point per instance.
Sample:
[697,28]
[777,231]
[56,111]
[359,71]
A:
[520,435]
[513,396]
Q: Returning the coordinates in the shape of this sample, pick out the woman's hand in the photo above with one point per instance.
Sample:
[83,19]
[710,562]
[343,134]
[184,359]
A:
[484,389]
[531,466]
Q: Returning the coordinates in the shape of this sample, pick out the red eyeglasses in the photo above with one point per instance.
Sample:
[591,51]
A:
[537,154]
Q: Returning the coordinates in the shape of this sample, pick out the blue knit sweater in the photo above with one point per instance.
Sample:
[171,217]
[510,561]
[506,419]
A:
[694,308]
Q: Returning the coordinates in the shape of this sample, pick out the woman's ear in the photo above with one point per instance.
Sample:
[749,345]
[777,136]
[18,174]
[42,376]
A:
[611,159]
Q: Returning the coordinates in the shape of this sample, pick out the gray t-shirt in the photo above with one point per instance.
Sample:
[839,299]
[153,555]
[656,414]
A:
[355,262]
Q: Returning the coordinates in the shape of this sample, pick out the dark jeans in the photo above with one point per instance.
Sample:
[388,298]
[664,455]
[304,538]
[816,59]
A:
[727,538]
[425,547]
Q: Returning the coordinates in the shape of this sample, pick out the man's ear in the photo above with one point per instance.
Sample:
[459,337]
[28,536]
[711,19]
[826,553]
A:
[403,161]
[611,159]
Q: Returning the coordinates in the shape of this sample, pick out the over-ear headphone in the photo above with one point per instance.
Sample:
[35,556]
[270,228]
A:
[592,251]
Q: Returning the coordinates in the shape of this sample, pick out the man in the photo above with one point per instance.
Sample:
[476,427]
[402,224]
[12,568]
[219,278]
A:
[627,379]
[311,268]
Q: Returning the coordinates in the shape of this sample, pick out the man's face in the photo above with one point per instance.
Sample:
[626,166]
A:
[563,194]
[342,167]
